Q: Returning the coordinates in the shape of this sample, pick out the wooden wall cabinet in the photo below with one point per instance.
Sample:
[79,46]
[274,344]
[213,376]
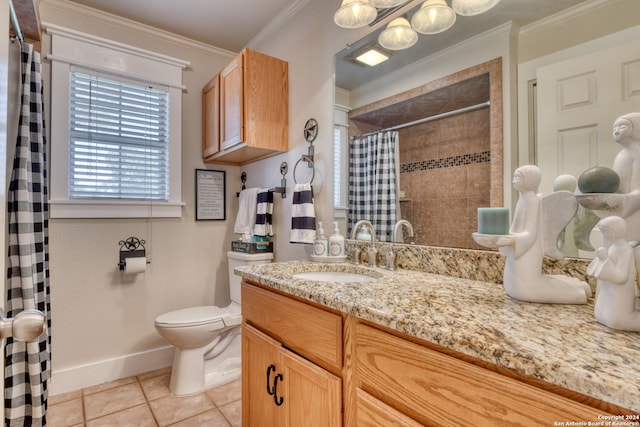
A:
[281,387]
[252,121]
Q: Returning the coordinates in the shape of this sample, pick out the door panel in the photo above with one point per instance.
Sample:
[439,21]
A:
[578,101]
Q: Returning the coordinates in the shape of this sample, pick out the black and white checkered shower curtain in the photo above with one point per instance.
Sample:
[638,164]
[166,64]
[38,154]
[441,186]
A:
[373,182]
[28,365]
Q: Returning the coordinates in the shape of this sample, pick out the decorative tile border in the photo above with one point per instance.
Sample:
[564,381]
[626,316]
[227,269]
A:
[446,162]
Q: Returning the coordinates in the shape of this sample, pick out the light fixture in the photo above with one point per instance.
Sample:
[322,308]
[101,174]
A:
[372,57]
[385,4]
[472,7]
[355,14]
[433,17]
[398,35]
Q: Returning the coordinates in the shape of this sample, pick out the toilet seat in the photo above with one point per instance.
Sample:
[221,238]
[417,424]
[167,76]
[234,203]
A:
[204,315]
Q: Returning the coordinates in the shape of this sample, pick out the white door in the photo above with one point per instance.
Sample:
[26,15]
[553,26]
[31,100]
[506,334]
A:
[578,101]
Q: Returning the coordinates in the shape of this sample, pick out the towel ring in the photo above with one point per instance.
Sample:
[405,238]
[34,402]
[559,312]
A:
[313,175]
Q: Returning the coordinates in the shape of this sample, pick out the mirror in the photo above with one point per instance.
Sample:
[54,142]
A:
[447,216]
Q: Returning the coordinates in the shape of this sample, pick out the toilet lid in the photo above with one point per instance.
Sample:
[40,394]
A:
[192,316]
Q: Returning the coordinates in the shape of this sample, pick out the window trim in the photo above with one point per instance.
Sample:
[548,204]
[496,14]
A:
[104,56]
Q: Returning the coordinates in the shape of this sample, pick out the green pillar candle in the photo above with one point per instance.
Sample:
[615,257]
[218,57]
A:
[493,221]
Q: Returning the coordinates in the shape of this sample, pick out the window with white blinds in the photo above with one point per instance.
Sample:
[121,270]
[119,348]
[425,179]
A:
[118,139]
[116,129]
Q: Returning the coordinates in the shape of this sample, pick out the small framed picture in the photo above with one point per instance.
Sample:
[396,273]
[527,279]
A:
[210,195]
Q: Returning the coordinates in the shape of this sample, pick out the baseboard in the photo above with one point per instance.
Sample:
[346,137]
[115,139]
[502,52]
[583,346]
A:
[78,377]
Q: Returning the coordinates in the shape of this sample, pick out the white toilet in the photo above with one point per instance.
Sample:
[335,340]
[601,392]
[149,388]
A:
[207,339]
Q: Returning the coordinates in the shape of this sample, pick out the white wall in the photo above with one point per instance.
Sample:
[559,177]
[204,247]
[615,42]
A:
[103,323]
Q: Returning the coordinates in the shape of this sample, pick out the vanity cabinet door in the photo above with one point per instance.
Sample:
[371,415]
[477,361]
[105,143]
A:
[313,396]
[371,412]
[260,362]
[436,389]
[280,388]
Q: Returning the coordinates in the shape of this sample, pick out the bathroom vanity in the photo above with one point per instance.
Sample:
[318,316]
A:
[415,348]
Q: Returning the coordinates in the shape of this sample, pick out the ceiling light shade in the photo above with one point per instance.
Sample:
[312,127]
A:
[355,14]
[433,17]
[385,4]
[398,35]
[472,7]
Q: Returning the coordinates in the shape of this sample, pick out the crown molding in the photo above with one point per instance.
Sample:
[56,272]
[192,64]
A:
[558,18]
[277,23]
[85,12]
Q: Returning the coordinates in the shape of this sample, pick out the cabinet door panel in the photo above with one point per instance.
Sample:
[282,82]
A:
[231,104]
[312,396]
[371,412]
[437,389]
[258,353]
[211,117]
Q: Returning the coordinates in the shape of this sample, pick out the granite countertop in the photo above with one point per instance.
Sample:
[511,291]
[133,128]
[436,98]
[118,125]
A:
[560,344]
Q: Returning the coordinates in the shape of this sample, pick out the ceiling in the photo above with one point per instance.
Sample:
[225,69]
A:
[232,25]
[226,24]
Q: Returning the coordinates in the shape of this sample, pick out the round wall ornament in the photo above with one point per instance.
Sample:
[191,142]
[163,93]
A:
[311,130]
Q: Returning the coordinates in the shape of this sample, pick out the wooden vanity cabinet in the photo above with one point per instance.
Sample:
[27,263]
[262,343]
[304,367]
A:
[328,362]
[253,110]
[289,349]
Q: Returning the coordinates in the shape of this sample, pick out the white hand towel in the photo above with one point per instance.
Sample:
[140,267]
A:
[246,218]
[264,213]
[303,215]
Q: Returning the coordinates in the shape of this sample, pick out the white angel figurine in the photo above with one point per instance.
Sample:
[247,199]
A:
[537,223]
[615,268]
[626,132]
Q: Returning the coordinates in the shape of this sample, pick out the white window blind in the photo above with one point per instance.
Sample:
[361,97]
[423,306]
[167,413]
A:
[118,139]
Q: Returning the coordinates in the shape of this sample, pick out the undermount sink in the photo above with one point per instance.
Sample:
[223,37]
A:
[334,276]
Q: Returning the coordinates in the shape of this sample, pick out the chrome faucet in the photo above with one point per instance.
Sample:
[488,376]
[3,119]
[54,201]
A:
[398,227]
[373,252]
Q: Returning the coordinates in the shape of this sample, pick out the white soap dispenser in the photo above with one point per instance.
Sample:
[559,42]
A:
[336,242]
[320,244]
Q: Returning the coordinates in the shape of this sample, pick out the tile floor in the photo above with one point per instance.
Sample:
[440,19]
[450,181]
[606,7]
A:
[145,401]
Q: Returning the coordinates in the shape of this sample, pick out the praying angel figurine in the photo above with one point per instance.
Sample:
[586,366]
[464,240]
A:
[617,304]
[537,223]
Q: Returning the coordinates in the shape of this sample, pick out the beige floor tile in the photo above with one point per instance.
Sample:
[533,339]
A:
[108,386]
[226,393]
[113,400]
[211,418]
[233,413]
[155,373]
[65,414]
[156,387]
[171,409]
[138,416]
[65,397]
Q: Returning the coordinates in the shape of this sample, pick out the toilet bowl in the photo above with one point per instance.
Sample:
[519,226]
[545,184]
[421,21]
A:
[207,339]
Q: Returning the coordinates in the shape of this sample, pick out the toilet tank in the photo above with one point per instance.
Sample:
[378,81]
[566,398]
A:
[236,259]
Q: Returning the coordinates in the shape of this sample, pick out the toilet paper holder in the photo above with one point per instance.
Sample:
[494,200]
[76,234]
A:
[132,247]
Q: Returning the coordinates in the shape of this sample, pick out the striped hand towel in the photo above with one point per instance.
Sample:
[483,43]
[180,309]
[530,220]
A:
[264,213]
[303,215]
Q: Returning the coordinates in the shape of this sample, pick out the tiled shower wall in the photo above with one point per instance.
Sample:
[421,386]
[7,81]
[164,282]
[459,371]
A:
[445,175]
